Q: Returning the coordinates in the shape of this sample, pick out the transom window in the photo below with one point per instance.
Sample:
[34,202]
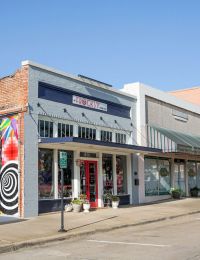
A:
[65,130]
[106,136]
[45,128]
[120,138]
[87,133]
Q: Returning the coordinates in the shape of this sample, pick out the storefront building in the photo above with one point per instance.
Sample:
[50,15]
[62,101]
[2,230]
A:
[172,125]
[47,113]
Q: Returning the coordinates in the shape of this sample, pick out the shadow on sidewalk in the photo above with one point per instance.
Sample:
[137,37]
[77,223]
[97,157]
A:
[98,221]
[6,220]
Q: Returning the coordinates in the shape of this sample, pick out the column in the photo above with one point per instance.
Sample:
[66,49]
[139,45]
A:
[100,182]
[75,130]
[55,170]
[76,179]
[141,178]
[55,130]
[129,177]
[172,173]
[98,134]
[114,174]
[186,179]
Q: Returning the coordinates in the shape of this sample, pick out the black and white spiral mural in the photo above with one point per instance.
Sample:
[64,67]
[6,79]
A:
[9,188]
[9,158]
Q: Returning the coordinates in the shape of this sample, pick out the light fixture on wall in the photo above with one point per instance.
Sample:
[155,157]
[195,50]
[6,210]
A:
[83,114]
[115,121]
[101,118]
[65,110]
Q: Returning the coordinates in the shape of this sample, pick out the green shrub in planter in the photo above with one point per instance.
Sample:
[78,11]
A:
[176,193]
[194,192]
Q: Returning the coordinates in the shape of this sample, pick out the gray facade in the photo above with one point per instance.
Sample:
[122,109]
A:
[55,111]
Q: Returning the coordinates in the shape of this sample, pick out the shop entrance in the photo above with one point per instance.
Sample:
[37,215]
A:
[88,181]
[179,172]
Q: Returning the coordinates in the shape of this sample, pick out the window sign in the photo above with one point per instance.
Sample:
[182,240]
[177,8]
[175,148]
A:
[89,103]
[63,160]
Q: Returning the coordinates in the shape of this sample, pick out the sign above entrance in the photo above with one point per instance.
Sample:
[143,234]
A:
[63,160]
[89,103]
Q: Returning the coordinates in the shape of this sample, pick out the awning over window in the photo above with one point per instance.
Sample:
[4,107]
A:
[172,141]
[59,142]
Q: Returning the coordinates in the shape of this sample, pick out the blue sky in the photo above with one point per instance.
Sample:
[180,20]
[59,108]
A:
[156,42]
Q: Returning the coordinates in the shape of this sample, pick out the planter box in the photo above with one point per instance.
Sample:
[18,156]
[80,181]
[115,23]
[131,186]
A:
[51,205]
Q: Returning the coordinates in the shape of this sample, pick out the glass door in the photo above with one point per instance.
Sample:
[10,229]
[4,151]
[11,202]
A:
[179,171]
[89,184]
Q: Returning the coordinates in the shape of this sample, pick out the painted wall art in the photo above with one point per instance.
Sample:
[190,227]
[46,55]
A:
[9,176]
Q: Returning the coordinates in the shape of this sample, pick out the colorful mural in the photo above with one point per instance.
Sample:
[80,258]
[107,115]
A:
[9,165]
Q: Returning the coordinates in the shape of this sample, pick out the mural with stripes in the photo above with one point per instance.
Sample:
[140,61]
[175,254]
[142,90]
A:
[9,183]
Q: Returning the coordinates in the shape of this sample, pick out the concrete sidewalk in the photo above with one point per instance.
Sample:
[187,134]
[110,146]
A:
[44,228]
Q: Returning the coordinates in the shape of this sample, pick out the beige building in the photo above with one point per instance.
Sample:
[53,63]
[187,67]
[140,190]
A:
[172,125]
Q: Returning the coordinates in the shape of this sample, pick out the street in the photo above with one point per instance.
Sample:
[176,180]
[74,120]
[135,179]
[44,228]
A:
[172,239]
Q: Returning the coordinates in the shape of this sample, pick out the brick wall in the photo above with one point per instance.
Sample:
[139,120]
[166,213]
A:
[14,100]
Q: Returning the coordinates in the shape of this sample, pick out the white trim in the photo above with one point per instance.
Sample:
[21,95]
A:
[61,73]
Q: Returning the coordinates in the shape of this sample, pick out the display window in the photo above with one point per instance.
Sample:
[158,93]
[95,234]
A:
[157,176]
[107,173]
[45,174]
[121,174]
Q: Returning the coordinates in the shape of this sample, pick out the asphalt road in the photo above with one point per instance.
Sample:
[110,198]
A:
[172,239]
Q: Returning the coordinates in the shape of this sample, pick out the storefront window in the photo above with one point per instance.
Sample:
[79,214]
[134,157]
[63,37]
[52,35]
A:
[67,174]
[45,128]
[120,138]
[121,174]
[106,136]
[192,174]
[65,130]
[157,177]
[198,175]
[107,173]
[45,174]
[164,177]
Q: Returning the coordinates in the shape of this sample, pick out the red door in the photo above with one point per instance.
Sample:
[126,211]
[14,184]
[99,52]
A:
[89,183]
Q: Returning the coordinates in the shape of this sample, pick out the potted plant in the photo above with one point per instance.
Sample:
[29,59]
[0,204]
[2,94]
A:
[107,197]
[77,204]
[191,173]
[176,193]
[86,203]
[194,192]
[163,172]
[68,207]
[115,201]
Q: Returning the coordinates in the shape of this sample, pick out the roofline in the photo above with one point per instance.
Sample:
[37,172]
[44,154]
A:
[68,75]
[160,95]
[183,89]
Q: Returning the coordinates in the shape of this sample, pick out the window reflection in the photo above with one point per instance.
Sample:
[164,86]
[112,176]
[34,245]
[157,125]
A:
[45,174]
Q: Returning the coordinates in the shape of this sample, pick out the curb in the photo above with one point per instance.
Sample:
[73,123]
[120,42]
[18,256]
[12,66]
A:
[35,242]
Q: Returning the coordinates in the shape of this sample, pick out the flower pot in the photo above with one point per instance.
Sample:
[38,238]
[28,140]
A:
[86,207]
[68,208]
[77,207]
[194,193]
[115,204]
[176,195]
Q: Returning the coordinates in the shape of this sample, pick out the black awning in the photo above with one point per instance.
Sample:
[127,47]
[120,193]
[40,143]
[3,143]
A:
[63,140]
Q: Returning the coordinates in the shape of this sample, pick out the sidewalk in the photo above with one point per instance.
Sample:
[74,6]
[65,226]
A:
[44,228]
